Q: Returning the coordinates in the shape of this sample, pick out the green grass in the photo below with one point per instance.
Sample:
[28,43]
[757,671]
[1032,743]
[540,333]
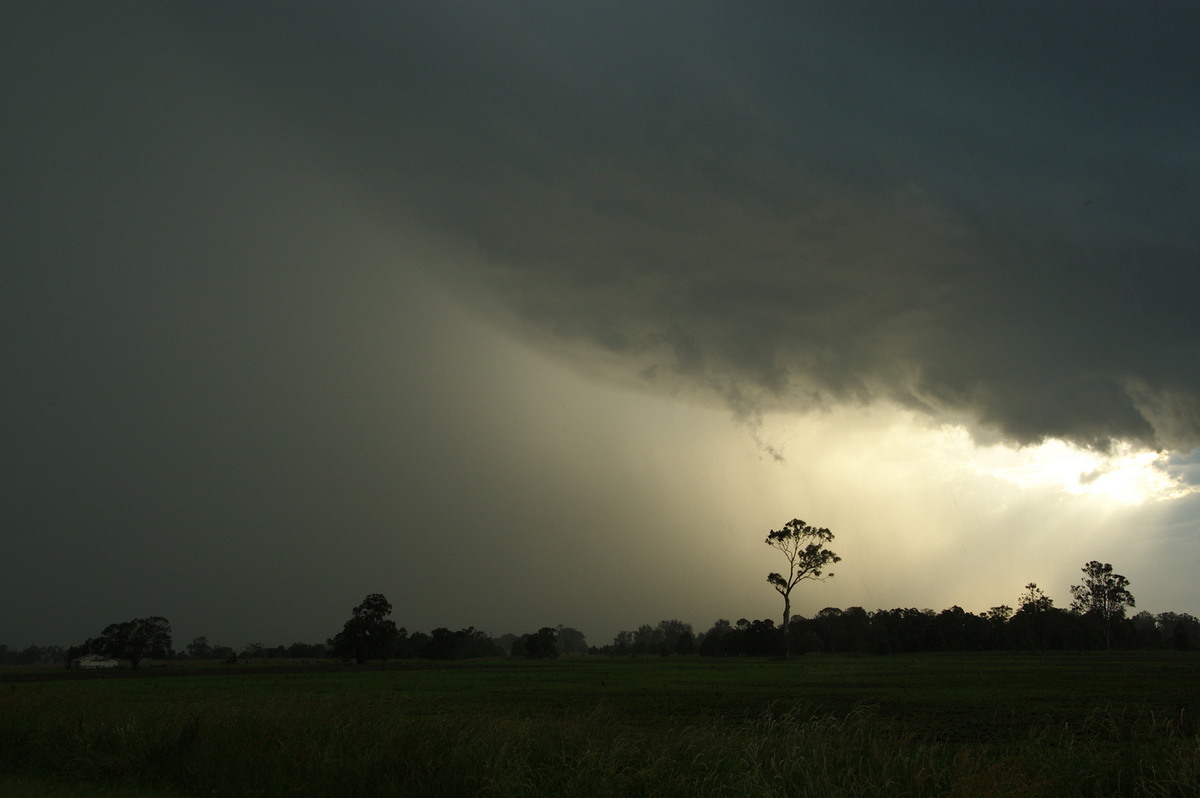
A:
[1063,725]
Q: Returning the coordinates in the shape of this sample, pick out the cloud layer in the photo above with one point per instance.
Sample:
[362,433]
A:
[991,220]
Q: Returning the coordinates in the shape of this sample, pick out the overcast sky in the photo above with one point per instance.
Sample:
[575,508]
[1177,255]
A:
[540,313]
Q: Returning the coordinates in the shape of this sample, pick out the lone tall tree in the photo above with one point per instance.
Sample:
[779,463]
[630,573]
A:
[1103,595]
[804,548]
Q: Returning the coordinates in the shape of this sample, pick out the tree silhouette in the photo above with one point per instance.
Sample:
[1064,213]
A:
[804,548]
[570,641]
[135,640]
[199,649]
[541,645]
[1102,595]
[369,633]
[1033,615]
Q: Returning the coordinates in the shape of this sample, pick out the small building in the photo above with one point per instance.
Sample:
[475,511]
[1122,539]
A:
[93,661]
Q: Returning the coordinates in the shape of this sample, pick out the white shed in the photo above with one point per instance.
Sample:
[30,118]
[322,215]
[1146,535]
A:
[92,661]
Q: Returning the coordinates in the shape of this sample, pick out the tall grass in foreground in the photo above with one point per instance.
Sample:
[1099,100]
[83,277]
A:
[325,745]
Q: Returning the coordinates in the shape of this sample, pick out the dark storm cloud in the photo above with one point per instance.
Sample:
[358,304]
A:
[991,217]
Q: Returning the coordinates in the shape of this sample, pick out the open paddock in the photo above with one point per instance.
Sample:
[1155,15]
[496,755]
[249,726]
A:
[983,724]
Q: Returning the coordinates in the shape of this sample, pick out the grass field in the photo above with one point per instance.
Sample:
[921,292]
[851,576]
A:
[969,725]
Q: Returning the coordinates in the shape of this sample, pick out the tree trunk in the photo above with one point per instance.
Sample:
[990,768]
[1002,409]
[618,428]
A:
[787,614]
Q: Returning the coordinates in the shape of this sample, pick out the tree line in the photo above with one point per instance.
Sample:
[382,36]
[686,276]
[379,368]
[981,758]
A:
[1035,625]
[32,655]
[369,634]
[1095,619]
[855,630]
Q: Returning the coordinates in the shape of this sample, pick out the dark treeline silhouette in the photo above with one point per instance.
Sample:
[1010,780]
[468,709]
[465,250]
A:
[1096,619]
[856,631]
[371,634]
[201,649]
[668,637]
[32,655]
[442,643]
[1037,625]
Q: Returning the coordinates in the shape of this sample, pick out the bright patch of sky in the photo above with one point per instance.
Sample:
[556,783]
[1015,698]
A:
[1125,475]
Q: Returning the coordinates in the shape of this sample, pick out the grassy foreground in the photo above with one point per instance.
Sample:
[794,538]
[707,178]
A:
[973,725]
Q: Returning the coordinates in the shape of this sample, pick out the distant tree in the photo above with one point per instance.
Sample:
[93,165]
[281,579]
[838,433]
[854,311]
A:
[225,653]
[1033,615]
[827,623]
[402,645]
[37,655]
[505,642]
[369,634]
[199,648]
[904,630]
[540,645]
[668,634]
[1179,631]
[135,640]
[443,644]
[710,642]
[1034,599]
[758,638]
[798,627]
[1145,630]
[961,630]
[997,619]
[477,643]
[622,644]
[845,631]
[1102,595]
[307,650]
[720,627]
[416,644]
[803,547]
[571,641]
[646,639]
[999,615]
[858,629]
[463,644]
